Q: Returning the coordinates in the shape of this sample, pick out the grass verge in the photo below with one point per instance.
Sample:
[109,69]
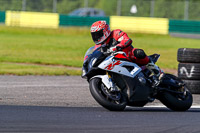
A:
[30,69]
[67,46]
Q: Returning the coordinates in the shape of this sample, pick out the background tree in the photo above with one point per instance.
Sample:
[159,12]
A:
[173,9]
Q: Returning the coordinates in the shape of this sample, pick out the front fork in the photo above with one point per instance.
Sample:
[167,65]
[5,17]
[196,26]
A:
[108,82]
[113,86]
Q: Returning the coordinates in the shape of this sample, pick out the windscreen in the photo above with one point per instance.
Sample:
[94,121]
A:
[89,51]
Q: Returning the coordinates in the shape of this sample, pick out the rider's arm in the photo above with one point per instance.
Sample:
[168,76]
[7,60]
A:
[122,38]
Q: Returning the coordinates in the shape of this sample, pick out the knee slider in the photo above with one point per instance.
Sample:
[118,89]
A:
[139,53]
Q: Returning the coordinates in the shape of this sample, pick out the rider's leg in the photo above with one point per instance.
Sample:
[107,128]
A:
[139,56]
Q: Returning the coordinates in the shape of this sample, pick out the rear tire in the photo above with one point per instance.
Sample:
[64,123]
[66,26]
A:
[103,100]
[173,102]
[193,86]
[176,101]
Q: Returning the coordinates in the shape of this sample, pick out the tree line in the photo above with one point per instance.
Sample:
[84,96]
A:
[173,9]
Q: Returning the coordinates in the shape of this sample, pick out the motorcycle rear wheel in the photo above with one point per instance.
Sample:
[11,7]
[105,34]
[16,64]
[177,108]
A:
[176,103]
[104,100]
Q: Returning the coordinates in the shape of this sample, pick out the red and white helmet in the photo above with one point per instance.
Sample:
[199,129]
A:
[100,31]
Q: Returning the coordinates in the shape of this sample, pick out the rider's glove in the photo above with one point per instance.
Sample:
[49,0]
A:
[119,47]
[116,48]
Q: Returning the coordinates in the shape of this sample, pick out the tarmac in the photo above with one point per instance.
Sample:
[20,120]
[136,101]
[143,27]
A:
[65,91]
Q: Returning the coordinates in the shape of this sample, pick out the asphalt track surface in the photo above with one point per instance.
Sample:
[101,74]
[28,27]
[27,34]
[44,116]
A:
[64,104]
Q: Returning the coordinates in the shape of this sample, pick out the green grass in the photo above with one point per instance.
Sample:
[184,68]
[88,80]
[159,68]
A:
[67,46]
[165,45]
[23,69]
[43,46]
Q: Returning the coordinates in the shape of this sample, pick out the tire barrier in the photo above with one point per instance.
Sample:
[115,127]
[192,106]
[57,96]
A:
[189,55]
[193,86]
[189,71]
[189,68]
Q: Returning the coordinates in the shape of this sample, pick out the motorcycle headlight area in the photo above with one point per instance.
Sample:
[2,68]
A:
[92,62]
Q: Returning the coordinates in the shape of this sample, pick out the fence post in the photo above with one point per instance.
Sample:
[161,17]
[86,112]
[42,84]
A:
[119,5]
[54,6]
[23,5]
[186,14]
[152,8]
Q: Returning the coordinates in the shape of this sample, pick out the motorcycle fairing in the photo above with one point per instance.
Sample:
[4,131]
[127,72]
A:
[119,66]
[105,80]
[142,93]
[136,90]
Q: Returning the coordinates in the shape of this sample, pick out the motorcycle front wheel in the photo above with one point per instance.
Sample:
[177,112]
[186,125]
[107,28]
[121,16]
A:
[112,102]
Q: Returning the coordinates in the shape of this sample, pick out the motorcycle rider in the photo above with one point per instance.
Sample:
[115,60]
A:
[119,41]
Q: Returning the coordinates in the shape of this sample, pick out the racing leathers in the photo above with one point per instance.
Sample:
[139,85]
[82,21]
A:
[121,41]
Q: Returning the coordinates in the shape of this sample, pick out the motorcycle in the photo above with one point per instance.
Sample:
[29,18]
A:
[115,82]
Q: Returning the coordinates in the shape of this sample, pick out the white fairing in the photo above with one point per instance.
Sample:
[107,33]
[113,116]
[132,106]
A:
[105,80]
[117,66]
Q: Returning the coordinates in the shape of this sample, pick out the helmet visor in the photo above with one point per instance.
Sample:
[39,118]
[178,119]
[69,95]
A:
[96,36]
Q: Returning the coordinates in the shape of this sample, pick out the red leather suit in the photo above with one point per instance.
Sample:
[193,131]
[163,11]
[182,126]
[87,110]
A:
[121,39]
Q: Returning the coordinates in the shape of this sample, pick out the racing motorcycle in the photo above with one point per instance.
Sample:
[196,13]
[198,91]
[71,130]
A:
[115,82]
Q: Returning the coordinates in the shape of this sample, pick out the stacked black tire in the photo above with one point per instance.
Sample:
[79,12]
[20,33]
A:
[189,68]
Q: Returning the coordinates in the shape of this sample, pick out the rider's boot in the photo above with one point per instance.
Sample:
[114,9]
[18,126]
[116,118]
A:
[158,74]
[157,80]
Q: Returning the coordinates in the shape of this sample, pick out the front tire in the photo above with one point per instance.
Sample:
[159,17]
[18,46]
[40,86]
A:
[104,100]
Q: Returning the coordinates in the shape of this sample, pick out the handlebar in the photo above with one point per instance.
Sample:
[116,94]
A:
[108,51]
